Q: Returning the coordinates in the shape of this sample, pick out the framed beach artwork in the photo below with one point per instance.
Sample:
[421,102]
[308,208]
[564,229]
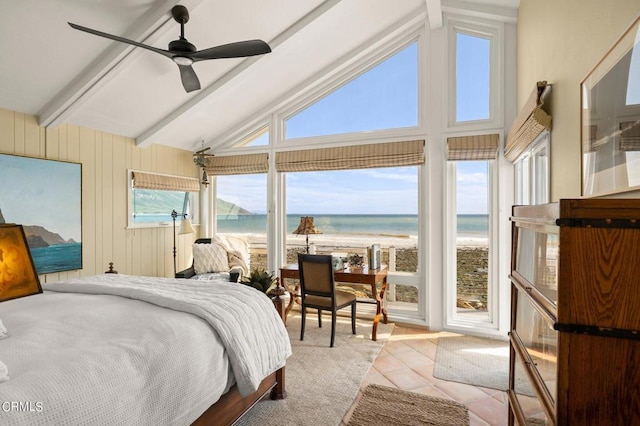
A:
[610,119]
[45,196]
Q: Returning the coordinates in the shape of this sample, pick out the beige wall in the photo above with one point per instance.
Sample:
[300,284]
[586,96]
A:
[561,41]
[105,159]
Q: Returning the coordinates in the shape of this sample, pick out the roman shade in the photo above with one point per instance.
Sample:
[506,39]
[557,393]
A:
[390,154]
[144,180]
[529,124]
[476,147]
[237,164]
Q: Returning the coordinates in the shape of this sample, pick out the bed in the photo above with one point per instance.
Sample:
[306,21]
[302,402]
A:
[117,349]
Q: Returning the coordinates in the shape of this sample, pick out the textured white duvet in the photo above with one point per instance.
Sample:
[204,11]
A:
[94,358]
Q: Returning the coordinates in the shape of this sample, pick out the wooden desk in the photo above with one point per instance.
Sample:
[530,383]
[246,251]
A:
[361,276]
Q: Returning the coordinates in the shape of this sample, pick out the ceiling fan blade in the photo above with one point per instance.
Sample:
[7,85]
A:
[121,39]
[232,50]
[189,78]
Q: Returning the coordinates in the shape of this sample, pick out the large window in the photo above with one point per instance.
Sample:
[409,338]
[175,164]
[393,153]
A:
[474,75]
[472,221]
[384,97]
[355,209]
[473,68]
[153,197]
[241,209]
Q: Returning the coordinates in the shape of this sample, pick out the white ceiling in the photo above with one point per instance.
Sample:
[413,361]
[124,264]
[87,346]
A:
[66,76]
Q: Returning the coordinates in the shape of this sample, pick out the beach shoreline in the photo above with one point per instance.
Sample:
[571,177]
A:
[472,253]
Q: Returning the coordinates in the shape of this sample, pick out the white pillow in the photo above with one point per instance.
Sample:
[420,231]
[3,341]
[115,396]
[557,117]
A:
[209,258]
[237,251]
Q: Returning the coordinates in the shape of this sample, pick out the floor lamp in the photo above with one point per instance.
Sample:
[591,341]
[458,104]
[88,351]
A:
[185,228]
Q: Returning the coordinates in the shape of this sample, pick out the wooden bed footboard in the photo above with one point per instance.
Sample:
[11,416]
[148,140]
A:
[231,406]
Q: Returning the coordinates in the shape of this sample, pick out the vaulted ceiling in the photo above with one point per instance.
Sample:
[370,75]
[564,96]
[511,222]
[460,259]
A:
[63,75]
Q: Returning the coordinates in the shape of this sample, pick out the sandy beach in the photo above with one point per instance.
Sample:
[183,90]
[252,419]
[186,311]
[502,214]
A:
[472,259]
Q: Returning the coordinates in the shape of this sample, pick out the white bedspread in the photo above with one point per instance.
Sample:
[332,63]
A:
[86,359]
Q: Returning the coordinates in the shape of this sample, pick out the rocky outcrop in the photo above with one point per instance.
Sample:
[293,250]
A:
[39,236]
[50,238]
[36,241]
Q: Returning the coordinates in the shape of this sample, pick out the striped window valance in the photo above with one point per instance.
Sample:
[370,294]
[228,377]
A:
[390,154]
[529,124]
[630,136]
[476,147]
[237,164]
[145,180]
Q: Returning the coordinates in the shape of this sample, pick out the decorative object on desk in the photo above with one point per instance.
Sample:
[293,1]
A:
[338,260]
[610,119]
[390,406]
[18,276]
[306,227]
[54,236]
[356,261]
[374,256]
[111,270]
[260,280]
[185,228]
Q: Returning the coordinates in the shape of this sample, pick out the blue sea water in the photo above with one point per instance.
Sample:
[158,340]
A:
[57,258]
[468,225]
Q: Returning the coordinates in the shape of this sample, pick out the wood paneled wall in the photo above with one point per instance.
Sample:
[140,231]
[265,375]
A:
[105,159]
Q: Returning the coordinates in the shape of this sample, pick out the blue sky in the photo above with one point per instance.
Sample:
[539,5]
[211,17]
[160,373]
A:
[32,197]
[384,97]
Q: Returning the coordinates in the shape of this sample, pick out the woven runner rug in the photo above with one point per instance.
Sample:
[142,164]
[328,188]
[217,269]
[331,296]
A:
[477,361]
[384,406]
[321,382]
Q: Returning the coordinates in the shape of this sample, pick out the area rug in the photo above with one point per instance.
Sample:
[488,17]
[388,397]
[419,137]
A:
[321,382]
[383,406]
[477,361]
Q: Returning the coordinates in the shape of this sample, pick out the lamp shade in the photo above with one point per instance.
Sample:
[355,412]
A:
[185,227]
[306,226]
[18,275]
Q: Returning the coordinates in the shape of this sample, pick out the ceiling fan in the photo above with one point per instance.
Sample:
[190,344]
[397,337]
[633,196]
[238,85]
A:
[184,53]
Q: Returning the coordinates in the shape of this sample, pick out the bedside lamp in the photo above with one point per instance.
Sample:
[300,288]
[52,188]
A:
[18,275]
[306,227]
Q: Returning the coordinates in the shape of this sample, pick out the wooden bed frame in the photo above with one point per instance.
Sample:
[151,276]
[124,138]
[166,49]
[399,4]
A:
[231,406]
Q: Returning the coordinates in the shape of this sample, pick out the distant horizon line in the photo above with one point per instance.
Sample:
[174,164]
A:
[351,214]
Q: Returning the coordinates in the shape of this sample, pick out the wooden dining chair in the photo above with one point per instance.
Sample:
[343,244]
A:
[318,290]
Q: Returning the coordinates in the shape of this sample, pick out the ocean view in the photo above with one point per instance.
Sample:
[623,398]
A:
[393,225]
[59,257]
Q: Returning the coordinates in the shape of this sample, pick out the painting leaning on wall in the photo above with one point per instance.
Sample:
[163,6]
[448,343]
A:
[45,196]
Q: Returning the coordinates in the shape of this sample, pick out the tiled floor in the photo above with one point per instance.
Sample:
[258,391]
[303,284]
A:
[406,362]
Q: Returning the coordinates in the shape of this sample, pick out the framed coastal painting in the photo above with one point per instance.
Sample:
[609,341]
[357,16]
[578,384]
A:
[45,196]
[610,119]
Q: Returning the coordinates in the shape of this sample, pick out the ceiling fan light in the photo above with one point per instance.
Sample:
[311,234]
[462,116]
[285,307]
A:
[182,60]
